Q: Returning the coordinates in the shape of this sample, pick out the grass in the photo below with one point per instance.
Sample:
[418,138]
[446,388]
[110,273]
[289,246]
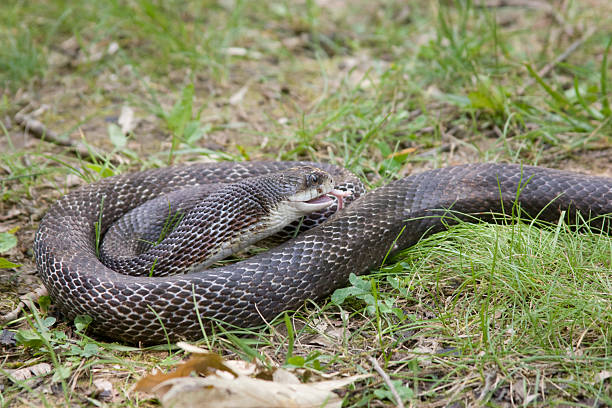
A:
[478,315]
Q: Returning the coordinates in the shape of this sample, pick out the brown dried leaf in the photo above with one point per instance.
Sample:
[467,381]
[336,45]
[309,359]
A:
[249,392]
[200,364]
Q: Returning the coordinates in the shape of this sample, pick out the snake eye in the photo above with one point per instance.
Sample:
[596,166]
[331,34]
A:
[312,179]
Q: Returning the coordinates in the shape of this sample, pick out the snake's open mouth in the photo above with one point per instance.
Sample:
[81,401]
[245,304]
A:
[325,198]
[323,201]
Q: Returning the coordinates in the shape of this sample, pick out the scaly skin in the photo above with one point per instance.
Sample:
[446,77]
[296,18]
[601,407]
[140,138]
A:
[310,266]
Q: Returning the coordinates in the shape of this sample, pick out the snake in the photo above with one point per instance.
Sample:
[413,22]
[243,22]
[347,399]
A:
[356,239]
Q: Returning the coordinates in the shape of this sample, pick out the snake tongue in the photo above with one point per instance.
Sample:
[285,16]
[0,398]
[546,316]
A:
[325,198]
[340,195]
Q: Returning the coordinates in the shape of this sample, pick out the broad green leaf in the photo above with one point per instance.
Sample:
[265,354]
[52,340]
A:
[82,322]
[103,171]
[359,288]
[90,350]
[297,361]
[61,373]
[49,321]
[29,338]
[6,264]
[404,391]
[360,283]
[44,302]
[7,241]
[340,295]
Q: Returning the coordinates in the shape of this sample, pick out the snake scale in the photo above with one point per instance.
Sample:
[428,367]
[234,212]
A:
[310,266]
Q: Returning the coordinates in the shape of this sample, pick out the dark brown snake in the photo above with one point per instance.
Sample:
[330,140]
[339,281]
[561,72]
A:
[310,266]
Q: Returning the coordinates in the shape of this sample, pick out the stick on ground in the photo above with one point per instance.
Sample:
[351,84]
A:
[387,380]
[37,129]
[28,297]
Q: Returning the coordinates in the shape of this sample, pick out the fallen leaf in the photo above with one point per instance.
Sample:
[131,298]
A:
[247,392]
[283,376]
[199,364]
[239,367]
[7,241]
[127,120]
[236,98]
[179,389]
[603,375]
[190,348]
[331,337]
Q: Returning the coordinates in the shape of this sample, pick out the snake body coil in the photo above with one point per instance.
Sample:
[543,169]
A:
[356,239]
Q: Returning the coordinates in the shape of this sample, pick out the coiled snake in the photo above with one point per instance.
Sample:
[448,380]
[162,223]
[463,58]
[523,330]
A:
[356,239]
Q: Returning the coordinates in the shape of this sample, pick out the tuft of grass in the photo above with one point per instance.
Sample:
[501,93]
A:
[20,59]
[494,299]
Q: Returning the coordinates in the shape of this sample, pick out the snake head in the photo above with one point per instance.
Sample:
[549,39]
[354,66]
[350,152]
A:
[312,189]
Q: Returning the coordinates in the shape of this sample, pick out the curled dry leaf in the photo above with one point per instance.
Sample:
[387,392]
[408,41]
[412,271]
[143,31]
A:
[179,389]
[199,364]
[246,392]
[239,367]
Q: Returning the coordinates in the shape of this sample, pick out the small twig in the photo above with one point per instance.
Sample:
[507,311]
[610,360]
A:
[23,300]
[561,57]
[75,376]
[387,380]
[37,129]
[489,384]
